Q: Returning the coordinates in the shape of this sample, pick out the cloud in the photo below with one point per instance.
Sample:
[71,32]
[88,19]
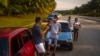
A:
[69,4]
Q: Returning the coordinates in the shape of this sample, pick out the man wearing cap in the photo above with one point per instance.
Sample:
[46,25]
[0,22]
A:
[54,32]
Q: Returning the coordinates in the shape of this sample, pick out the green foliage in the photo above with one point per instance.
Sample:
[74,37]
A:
[29,6]
[92,8]
[4,3]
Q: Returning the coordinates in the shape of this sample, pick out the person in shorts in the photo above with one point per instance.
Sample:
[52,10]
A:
[55,29]
[37,34]
[76,26]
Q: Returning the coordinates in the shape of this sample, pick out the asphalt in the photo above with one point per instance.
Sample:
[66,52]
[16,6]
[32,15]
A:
[88,43]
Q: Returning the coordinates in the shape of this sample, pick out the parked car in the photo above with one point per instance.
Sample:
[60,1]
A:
[16,42]
[65,38]
[50,17]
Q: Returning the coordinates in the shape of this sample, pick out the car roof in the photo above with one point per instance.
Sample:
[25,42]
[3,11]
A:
[9,32]
[62,21]
[52,15]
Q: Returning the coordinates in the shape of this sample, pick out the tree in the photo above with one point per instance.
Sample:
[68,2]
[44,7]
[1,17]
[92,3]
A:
[29,6]
[4,2]
[92,8]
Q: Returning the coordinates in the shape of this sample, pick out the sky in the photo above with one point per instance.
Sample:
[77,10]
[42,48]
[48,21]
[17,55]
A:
[69,4]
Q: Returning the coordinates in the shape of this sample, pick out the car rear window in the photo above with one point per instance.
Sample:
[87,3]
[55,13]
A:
[65,27]
[4,47]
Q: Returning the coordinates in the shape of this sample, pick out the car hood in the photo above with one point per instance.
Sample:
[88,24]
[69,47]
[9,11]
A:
[62,36]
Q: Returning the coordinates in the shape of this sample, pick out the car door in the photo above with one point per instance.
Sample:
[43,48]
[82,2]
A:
[16,45]
[29,48]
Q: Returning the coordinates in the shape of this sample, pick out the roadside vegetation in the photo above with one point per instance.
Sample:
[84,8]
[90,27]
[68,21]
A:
[20,21]
[92,8]
[21,13]
[16,7]
[26,21]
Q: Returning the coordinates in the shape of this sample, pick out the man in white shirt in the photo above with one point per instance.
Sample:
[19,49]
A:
[54,32]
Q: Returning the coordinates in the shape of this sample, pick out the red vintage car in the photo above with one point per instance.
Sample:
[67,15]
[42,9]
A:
[16,42]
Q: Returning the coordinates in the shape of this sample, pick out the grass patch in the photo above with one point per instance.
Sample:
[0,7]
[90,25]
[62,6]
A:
[19,21]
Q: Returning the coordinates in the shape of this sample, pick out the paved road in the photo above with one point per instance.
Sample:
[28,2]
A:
[88,42]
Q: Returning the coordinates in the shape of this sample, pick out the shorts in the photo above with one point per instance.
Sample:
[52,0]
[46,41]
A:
[40,48]
[76,30]
[52,41]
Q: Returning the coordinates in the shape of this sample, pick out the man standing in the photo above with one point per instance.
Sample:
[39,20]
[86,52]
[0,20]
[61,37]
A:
[37,34]
[54,32]
[69,21]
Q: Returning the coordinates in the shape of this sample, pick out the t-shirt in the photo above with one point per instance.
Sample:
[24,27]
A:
[54,29]
[77,25]
[36,36]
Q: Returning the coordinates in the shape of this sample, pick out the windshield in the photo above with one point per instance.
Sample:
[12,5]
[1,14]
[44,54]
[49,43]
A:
[65,27]
[50,16]
[3,47]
